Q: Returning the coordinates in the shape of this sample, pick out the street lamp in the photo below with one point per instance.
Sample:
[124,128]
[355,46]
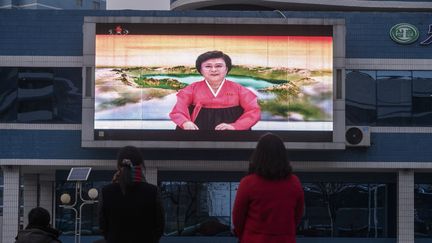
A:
[78,175]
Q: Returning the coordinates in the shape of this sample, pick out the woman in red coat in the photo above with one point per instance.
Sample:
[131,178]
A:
[270,200]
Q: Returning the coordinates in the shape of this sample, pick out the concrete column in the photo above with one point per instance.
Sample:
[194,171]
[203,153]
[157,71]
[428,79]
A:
[151,175]
[11,177]
[47,197]
[405,207]
[30,194]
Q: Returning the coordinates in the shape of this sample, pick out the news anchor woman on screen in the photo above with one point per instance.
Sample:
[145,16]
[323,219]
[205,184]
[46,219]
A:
[215,103]
[270,201]
[130,209]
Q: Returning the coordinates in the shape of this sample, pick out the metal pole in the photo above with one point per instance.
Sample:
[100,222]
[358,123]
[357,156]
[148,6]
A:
[78,213]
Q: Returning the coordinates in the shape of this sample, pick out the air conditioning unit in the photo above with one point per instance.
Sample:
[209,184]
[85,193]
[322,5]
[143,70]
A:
[357,136]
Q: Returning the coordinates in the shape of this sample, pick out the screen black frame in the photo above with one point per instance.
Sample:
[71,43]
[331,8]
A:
[210,139]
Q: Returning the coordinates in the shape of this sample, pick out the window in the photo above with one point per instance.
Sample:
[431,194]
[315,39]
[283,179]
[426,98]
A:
[337,205]
[422,98]
[65,218]
[198,203]
[40,95]
[198,208]
[360,97]
[389,98]
[341,209]
[394,97]
[96,5]
[423,205]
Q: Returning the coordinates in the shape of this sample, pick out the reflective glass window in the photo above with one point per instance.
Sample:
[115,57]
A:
[66,217]
[40,95]
[422,98]
[394,102]
[389,98]
[360,97]
[423,210]
[198,208]
[8,94]
[423,205]
[345,210]
[335,206]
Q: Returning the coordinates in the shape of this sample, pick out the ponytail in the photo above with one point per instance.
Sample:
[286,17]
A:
[129,174]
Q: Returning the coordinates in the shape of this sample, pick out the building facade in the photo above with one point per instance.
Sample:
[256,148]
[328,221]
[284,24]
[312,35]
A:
[375,193]
[50,4]
[341,5]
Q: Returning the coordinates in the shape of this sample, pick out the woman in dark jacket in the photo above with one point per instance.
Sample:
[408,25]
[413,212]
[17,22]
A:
[130,209]
[38,229]
[269,201]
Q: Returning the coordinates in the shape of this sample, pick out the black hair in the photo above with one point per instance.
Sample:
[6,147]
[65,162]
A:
[211,55]
[38,217]
[270,158]
[128,157]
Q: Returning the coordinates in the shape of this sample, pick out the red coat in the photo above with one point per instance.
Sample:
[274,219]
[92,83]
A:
[268,211]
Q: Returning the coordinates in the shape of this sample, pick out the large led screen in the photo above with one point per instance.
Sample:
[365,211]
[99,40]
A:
[146,74]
